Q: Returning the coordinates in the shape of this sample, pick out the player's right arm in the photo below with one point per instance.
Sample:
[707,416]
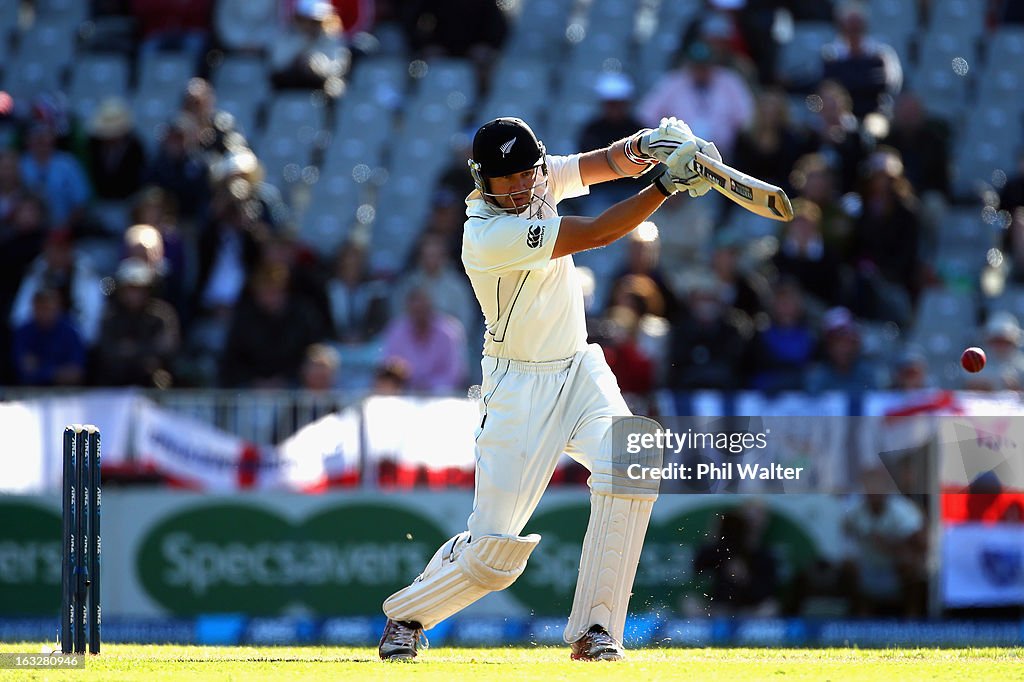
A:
[578,233]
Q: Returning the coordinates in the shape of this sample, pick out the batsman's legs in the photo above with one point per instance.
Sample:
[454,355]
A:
[516,456]
[620,508]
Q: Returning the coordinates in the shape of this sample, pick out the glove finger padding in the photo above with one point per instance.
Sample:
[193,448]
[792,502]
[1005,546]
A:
[680,158]
[661,142]
[689,179]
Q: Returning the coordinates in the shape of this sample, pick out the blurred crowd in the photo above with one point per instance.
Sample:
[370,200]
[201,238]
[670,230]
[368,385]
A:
[182,266]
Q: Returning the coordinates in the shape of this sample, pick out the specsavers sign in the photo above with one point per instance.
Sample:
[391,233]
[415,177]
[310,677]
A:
[173,552]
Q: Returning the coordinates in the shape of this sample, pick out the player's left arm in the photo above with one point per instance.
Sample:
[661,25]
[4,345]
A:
[633,156]
[639,153]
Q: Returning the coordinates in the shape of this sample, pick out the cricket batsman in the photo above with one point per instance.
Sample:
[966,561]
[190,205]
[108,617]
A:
[545,391]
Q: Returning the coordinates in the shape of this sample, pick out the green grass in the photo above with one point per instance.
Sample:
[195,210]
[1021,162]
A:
[150,662]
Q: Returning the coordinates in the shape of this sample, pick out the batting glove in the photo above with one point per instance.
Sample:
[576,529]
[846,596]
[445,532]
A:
[668,182]
[658,144]
[688,179]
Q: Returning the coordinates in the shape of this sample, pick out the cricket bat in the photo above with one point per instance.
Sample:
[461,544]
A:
[757,196]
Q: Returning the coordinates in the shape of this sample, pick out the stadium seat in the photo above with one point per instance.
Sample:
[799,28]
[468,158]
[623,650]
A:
[799,62]
[963,230]
[943,92]
[296,116]
[361,135]
[655,60]
[979,154]
[245,108]
[1006,47]
[9,15]
[1011,301]
[164,75]
[241,75]
[965,18]
[1001,84]
[541,27]
[944,320]
[152,113]
[246,24]
[371,71]
[25,78]
[450,81]
[283,160]
[894,15]
[65,13]
[95,77]
[51,43]
[325,221]
[613,19]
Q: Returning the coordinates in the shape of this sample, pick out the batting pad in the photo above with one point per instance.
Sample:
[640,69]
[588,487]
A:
[459,573]
[611,552]
[620,509]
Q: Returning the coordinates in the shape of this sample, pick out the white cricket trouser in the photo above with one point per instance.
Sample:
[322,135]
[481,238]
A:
[532,412]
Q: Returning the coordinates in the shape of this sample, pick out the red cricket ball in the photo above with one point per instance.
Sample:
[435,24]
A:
[973,359]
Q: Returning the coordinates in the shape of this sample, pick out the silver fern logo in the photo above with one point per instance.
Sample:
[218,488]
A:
[507,147]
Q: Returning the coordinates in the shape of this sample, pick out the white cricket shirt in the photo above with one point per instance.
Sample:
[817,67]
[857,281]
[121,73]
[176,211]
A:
[532,303]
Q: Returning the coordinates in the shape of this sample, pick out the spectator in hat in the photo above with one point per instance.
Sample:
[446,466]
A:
[311,53]
[48,350]
[869,69]
[140,336]
[60,267]
[181,169]
[55,175]
[431,343]
[1004,367]
[713,100]
[843,366]
[116,157]
[614,121]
